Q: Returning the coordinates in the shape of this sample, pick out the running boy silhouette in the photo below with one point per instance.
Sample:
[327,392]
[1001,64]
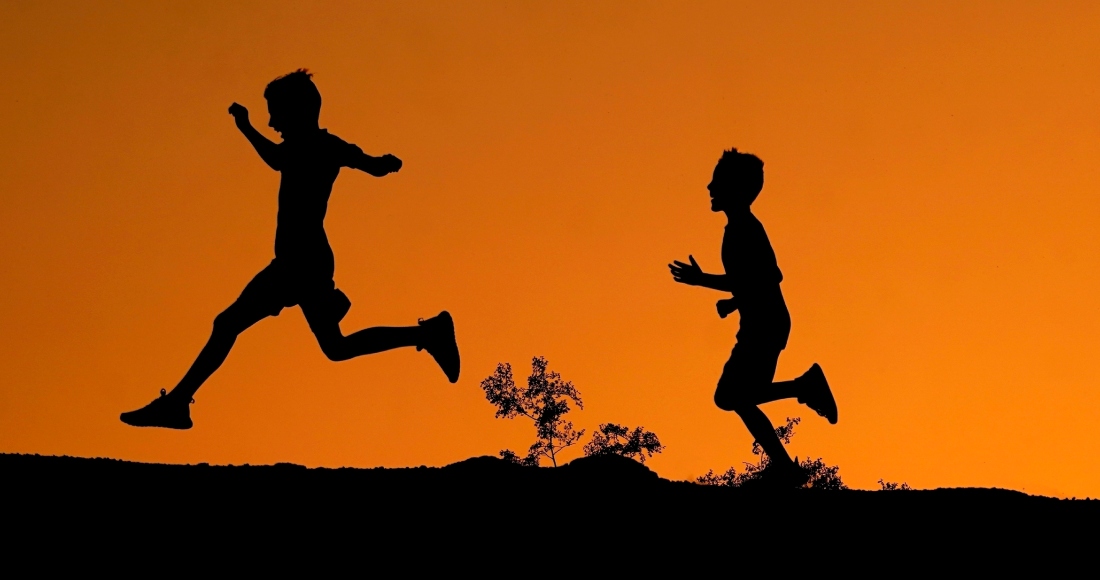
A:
[752,277]
[309,159]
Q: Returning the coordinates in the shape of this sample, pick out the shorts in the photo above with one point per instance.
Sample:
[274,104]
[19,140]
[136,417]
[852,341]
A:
[765,322]
[749,370]
[280,286]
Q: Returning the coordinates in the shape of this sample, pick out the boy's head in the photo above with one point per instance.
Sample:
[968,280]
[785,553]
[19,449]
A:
[738,179]
[294,102]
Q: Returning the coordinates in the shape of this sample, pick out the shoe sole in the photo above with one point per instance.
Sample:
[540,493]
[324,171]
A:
[179,427]
[832,400]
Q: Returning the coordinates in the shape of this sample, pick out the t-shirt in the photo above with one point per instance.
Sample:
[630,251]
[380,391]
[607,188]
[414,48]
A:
[754,276]
[309,166]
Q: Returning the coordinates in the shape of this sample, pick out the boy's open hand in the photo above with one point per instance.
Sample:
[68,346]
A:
[690,274]
[239,113]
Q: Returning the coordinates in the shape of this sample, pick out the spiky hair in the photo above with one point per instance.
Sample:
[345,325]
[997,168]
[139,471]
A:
[297,91]
[745,171]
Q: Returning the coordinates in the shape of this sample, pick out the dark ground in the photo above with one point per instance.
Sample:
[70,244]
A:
[492,511]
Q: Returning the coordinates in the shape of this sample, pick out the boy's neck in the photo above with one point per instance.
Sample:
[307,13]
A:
[301,132]
[738,212]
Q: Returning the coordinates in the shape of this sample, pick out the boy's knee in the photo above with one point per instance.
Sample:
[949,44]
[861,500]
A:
[726,401]
[730,399]
[335,350]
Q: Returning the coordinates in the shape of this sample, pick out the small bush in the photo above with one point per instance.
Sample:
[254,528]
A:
[728,478]
[612,439]
[511,457]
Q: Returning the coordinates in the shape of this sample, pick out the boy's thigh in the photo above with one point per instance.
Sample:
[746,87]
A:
[748,370]
[265,295]
[324,309]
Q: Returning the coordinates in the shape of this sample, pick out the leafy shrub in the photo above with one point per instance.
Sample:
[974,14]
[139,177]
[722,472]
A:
[511,457]
[612,439]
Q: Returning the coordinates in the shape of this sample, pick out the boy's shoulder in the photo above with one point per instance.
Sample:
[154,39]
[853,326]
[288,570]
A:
[324,144]
[337,143]
[745,230]
[745,223]
[326,134]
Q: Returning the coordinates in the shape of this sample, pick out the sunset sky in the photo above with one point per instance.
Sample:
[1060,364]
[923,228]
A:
[932,179]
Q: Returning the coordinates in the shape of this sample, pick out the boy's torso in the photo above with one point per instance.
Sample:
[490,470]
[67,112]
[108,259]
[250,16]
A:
[748,257]
[754,275]
[309,167]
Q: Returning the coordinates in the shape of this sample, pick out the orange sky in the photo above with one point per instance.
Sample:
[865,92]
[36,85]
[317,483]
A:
[931,195]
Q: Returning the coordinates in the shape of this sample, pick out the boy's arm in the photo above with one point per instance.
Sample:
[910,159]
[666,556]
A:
[376,166]
[692,275]
[267,149]
[726,307]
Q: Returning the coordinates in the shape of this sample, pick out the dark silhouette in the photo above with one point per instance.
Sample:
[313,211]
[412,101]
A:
[605,509]
[309,159]
[545,401]
[614,439]
[752,276]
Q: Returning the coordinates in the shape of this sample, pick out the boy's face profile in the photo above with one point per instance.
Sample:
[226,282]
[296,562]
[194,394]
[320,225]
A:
[722,191]
[279,118]
[285,119]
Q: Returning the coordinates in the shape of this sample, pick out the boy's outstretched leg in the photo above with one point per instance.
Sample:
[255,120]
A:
[811,389]
[172,410]
[435,335]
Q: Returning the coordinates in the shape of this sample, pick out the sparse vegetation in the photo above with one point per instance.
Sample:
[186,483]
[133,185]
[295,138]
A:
[612,439]
[545,400]
[821,475]
[893,486]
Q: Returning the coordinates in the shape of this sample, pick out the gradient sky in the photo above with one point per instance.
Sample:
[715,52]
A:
[931,193]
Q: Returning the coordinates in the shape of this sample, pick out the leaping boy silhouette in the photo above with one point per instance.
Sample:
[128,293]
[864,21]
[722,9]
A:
[753,277]
[309,159]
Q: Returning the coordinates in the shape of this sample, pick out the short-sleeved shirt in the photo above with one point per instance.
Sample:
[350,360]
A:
[309,166]
[754,276]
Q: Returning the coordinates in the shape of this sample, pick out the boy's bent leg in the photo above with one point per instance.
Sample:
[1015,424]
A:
[338,347]
[436,335]
[747,375]
[811,389]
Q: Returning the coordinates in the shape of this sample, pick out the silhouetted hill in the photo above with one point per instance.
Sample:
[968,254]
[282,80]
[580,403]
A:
[596,504]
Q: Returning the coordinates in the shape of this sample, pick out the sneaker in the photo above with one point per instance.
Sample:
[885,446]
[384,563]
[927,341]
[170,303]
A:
[438,339]
[164,411]
[816,393]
